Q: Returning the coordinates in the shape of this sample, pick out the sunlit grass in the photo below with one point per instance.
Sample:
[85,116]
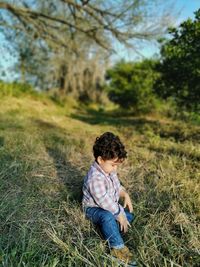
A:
[46,149]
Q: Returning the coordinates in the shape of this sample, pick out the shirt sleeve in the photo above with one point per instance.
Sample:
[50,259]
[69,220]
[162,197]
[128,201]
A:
[101,197]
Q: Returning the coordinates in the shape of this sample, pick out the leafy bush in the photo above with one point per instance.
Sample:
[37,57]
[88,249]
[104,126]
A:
[130,85]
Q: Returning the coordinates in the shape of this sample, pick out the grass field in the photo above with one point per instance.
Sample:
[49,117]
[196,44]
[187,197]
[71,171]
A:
[45,151]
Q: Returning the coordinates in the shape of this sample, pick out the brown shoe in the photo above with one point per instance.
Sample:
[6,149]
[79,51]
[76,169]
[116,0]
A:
[124,255]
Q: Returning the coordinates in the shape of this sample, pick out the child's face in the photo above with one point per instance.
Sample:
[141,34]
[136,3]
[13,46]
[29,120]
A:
[108,166]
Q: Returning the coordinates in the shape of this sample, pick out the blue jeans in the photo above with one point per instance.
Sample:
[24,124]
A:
[108,225]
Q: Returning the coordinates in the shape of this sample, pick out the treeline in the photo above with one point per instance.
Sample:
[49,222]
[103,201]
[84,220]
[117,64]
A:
[65,47]
[67,44]
[175,76]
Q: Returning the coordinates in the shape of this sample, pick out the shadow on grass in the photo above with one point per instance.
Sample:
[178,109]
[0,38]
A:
[67,173]
[175,131]
[98,117]
[8,123]
[57,146]
[1,141]
[44,125]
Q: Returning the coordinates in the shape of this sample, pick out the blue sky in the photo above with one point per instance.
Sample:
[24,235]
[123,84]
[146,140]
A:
[185,8]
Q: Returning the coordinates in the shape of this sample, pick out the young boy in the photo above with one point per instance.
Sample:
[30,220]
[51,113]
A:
[101,193]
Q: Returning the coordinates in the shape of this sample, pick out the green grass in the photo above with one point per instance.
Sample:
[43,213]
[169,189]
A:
[45,150]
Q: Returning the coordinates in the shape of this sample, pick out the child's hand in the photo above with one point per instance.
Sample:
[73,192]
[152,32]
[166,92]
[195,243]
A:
[123,223]
[127,202]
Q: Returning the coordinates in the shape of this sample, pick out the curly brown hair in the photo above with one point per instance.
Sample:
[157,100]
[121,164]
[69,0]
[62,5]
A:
[108,146]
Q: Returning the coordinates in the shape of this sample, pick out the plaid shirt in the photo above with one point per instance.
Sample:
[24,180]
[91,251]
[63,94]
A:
[102,190]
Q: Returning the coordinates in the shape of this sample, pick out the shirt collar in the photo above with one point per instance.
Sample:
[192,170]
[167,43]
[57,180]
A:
[96,166]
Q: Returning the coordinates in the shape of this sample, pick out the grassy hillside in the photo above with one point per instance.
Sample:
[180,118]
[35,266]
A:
[45,150]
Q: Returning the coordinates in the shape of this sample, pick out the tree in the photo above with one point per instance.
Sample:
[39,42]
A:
[122,19]
[130,85]
[180,65]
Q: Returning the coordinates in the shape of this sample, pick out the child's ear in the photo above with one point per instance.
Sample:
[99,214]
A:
[99,159]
